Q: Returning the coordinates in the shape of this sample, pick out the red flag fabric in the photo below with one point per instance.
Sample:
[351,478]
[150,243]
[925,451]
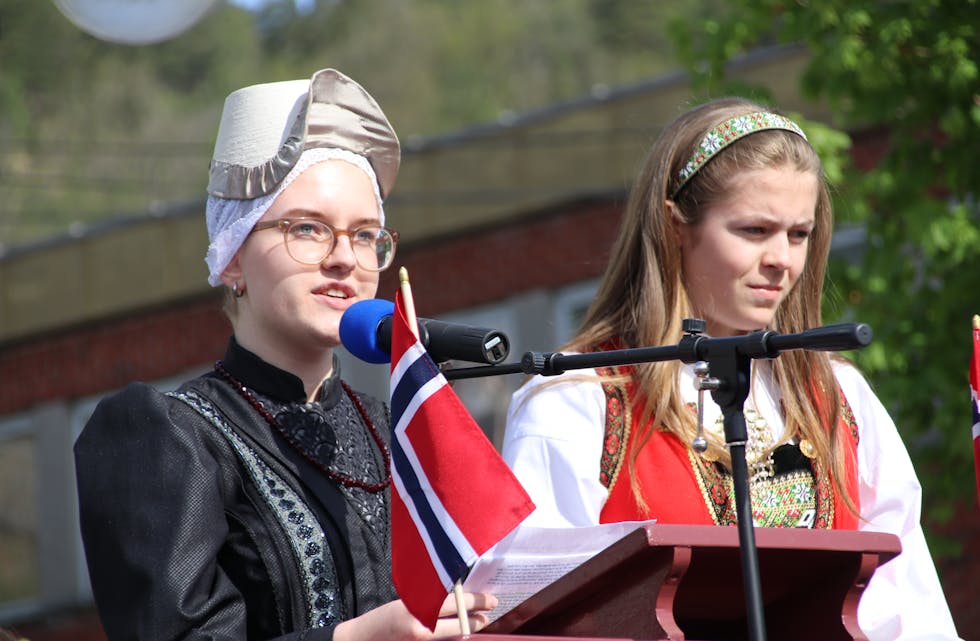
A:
[975,393]
[453,496]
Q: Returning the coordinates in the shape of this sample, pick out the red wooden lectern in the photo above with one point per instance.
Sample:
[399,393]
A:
[685,582]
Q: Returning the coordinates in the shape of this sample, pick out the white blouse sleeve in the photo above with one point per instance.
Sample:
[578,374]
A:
[904,599]
[554,434]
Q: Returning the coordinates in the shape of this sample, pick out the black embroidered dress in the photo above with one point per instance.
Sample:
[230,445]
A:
[203,520]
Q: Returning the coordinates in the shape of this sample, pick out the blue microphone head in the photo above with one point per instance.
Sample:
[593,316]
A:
[359,329]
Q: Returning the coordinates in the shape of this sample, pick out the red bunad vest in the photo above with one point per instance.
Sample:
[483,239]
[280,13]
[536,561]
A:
[676,489]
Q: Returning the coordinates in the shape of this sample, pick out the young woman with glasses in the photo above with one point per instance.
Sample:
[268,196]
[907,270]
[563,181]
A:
[252,502]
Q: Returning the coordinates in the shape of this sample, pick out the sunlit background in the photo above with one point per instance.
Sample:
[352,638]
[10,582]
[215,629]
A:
[93,130]
[522,124]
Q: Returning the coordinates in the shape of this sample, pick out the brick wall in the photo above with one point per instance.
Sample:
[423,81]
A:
[92,359]
[73,625]
[551,250]
[452,274]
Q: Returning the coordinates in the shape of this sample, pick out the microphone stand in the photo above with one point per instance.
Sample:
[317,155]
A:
[730,361]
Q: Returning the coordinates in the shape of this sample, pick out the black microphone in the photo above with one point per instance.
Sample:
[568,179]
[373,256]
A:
[365,330]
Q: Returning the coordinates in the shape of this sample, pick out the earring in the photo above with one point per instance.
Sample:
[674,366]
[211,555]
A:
[236,292]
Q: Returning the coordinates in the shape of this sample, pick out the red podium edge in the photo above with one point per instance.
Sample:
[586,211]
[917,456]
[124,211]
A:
[663,555]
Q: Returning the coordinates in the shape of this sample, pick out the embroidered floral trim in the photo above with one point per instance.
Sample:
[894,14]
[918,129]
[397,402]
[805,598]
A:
[307,540]
[779,502]
[617,430]
[824,497]
[847,415]
[792,499]
[788,500]
[713,490]
[728,132]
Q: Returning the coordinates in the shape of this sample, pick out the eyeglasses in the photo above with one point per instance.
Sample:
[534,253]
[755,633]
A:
[310,241]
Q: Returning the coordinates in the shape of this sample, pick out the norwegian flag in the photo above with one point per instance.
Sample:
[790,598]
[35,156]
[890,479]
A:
[975,393]
[454,497]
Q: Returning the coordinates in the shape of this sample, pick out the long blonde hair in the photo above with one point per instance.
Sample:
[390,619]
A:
[641,300]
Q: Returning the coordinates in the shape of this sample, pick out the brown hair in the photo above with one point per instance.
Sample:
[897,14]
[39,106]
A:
[641,300]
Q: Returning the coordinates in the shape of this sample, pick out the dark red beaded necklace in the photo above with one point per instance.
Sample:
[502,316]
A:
[343,479]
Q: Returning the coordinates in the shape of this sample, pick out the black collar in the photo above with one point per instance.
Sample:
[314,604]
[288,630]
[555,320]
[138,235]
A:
[273,382]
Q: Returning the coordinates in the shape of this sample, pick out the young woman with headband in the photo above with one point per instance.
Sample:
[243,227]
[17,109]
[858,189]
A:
[729,221]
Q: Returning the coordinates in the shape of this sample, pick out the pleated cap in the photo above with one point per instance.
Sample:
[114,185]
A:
[265,128]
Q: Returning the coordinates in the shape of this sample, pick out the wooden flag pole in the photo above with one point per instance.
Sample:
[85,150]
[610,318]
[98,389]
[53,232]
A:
[409,306]
[464,617]
[406,289]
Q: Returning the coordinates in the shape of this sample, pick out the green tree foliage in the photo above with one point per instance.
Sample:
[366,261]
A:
[447,65]
[904,73]
[91,130]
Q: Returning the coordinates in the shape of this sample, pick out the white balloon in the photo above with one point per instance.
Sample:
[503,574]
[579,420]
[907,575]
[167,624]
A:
[135,22]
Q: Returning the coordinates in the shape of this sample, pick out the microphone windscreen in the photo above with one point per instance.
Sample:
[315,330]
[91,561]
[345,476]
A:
[359,329]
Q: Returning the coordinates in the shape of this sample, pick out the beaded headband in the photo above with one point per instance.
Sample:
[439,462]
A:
[728,132]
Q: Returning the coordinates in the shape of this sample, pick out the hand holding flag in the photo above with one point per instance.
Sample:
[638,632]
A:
[453,495]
